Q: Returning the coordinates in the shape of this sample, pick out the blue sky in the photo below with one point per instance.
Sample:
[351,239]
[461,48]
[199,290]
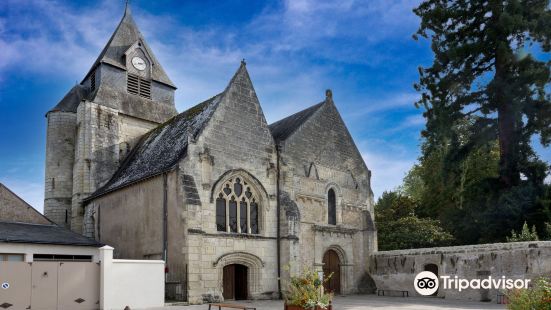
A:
[294,49]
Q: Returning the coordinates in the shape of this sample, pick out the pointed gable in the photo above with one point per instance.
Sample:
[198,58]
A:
[14,209]
[241,121]
[163,147]
[319,135]
[126,35]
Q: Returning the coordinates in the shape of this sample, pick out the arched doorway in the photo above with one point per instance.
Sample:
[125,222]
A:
[434,269]
[235,285]
[332,265]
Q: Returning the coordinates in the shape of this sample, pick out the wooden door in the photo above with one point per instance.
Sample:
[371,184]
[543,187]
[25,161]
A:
[332,265]
[229,282]
[240,282]
[235,282]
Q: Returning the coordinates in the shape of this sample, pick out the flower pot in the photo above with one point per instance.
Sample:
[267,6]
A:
[290,307]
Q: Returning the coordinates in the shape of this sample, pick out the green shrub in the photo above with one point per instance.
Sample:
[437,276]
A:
[524,235]
[538,297]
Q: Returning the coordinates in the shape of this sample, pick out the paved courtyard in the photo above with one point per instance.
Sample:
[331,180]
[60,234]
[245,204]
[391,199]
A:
[368,302]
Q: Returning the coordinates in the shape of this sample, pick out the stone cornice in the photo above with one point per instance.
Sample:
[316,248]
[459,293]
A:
[193,231]
[335,229]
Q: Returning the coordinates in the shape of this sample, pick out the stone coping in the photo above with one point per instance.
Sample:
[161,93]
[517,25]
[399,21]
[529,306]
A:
[469,248]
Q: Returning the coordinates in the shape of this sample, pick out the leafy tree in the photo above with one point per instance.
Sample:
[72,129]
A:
[485,69]
[454,193]
[399,228]
[524,235]
[486,97]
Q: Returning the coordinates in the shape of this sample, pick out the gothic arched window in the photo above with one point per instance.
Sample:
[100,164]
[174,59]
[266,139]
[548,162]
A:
[331,207]
[237,207]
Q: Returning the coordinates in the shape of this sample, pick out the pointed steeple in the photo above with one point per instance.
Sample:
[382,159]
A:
[127,34]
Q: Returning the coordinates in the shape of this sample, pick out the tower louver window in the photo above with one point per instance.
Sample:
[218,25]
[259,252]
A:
[138,86]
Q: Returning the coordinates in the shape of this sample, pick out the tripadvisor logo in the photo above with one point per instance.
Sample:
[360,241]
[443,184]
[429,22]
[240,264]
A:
[426,283]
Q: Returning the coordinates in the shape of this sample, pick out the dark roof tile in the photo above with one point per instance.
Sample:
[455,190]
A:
[72,99]
[42,234]
[160,149]
[283,128]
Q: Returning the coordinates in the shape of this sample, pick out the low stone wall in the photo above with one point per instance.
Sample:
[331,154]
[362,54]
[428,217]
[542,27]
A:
[396,270]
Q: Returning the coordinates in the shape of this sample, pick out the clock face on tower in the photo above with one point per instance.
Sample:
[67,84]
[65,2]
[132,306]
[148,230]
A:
[138,63]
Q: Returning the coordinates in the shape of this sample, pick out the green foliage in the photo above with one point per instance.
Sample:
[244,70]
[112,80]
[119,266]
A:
[485,72]
[524,235]
[547,231]
[412,232]
[399,228]
[306,291]
[537,297]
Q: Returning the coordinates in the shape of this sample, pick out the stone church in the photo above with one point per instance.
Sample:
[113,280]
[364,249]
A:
[216,191]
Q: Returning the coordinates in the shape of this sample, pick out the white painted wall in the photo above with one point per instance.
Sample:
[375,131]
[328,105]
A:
[138,284]
[28,249]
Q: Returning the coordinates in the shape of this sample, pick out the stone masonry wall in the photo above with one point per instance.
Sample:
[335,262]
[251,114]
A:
[96,155]
[60,152]
[320,156]
[236,142]
[14,209]
[396,270]
[137,232]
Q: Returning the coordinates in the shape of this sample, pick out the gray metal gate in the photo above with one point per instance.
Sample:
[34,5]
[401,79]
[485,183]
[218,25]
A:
[176,282]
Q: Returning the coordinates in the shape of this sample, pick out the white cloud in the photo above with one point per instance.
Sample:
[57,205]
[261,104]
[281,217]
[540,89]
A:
[388,170]
[35,39]
[63,41]
[395,101]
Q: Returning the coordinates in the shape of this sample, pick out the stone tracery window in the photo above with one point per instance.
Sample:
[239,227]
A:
[237,207]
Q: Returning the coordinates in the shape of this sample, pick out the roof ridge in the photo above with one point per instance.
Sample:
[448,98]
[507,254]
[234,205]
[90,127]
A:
[26,203]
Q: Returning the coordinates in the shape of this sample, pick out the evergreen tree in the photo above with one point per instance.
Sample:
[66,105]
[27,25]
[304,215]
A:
[486,70]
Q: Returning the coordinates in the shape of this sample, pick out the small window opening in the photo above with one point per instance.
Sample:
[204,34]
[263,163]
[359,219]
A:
[93,80]
[332,207]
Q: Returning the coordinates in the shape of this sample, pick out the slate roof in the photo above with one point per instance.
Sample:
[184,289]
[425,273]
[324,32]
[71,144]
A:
[70,102]
[126,34]
[283,128]
[42,234]
[160,149]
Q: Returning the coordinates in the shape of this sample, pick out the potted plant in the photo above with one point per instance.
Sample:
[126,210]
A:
[305,292]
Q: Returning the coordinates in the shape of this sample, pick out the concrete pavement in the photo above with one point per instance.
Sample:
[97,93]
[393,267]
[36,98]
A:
[367,302]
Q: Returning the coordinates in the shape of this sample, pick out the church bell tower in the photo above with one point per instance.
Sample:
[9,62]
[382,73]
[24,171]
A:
[90,131]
